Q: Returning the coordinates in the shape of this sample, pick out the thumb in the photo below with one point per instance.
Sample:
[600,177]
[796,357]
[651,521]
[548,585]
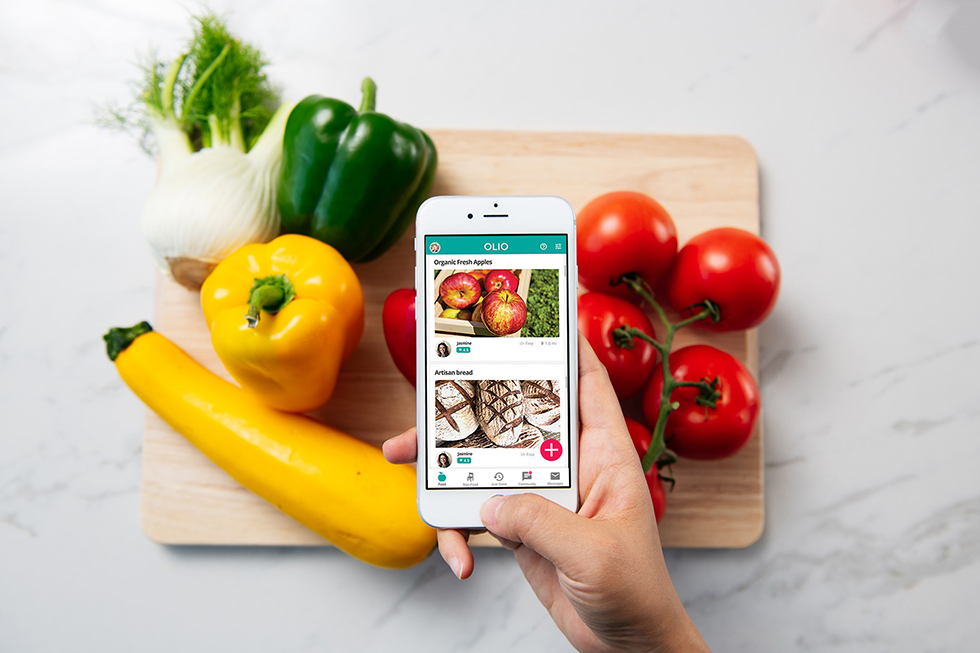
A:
[535,522]
[598,404]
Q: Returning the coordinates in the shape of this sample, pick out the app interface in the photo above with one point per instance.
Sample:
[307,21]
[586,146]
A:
[496,337]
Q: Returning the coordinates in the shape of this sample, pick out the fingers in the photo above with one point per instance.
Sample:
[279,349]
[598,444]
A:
[605,438]
[401,449]
[535,522]
[598,403]
[507,544]
[455,551]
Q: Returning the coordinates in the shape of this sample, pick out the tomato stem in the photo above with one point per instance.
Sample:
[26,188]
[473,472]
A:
[624,337]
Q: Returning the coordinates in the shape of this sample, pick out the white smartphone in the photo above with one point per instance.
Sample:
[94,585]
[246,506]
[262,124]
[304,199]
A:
[497,354]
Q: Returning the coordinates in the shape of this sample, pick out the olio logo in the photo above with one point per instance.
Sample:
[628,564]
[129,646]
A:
[495,247]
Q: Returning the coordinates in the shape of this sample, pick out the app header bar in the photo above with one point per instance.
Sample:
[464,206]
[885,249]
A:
[496,244]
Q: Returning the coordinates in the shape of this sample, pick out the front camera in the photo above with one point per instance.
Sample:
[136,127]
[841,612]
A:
[470,216]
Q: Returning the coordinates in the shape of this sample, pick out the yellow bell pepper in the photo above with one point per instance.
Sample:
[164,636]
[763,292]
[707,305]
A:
[284,316]
[334,484]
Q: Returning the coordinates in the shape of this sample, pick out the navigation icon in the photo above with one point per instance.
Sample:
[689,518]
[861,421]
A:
[498,476]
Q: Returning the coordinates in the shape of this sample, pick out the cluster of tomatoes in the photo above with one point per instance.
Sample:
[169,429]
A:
[705,404]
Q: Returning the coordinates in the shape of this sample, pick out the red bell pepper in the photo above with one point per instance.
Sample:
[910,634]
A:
[398,321]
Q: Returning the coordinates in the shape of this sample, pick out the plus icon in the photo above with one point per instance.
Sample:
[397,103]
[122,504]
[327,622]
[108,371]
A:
[551,450]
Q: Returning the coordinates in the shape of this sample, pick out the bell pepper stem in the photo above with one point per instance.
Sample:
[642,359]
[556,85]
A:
[369,90]
[119,338]
[270,294]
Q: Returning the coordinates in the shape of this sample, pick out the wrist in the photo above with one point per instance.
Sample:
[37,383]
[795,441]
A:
[685,639]
[674,632]
[658,623]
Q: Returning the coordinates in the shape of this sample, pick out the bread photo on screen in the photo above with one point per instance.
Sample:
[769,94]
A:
[500,411]
[542,404]
[455,414]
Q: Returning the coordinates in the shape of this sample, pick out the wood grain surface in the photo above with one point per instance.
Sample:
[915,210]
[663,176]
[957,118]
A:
[703,181]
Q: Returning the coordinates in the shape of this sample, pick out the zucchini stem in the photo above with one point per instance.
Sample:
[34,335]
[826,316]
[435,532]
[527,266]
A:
[119,338]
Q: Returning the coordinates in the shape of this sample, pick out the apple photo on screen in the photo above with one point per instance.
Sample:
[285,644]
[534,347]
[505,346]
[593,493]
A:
[496,413]
[497,303]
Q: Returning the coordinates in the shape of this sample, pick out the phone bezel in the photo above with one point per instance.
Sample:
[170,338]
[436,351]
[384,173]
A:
[460,508]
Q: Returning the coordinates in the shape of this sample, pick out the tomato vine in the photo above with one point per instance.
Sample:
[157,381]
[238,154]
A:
[625,337]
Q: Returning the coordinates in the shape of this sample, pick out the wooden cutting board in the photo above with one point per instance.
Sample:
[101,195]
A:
[703,181]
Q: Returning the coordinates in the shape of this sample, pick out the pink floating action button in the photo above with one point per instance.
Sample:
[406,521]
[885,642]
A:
[551,450]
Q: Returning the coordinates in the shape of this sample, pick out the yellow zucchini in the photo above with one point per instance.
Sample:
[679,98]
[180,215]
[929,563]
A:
[332,483]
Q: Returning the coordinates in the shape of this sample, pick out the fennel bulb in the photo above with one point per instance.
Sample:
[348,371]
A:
[219,146]
[207,204]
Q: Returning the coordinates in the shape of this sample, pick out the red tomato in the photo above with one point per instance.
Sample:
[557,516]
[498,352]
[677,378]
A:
[733,268]
[696,431]
[641,440]
[657,494]
[598,316]
[620,233]
[640,436]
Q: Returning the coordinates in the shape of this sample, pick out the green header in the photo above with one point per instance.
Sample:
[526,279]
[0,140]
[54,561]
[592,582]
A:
[496,244]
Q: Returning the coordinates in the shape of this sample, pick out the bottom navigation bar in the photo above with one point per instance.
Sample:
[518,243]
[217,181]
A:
[503,478]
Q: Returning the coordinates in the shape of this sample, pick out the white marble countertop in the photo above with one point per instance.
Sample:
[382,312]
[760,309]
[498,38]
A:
[866,120]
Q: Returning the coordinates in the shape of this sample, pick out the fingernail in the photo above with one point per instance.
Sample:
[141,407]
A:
[384,449]
[488,513]
[455,566]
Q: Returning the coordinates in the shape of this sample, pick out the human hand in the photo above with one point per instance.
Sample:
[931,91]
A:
[600,572]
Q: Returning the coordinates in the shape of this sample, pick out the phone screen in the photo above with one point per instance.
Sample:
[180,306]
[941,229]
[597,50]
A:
[496,361]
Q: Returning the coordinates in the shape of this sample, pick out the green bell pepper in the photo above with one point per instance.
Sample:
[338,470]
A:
[352,178]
